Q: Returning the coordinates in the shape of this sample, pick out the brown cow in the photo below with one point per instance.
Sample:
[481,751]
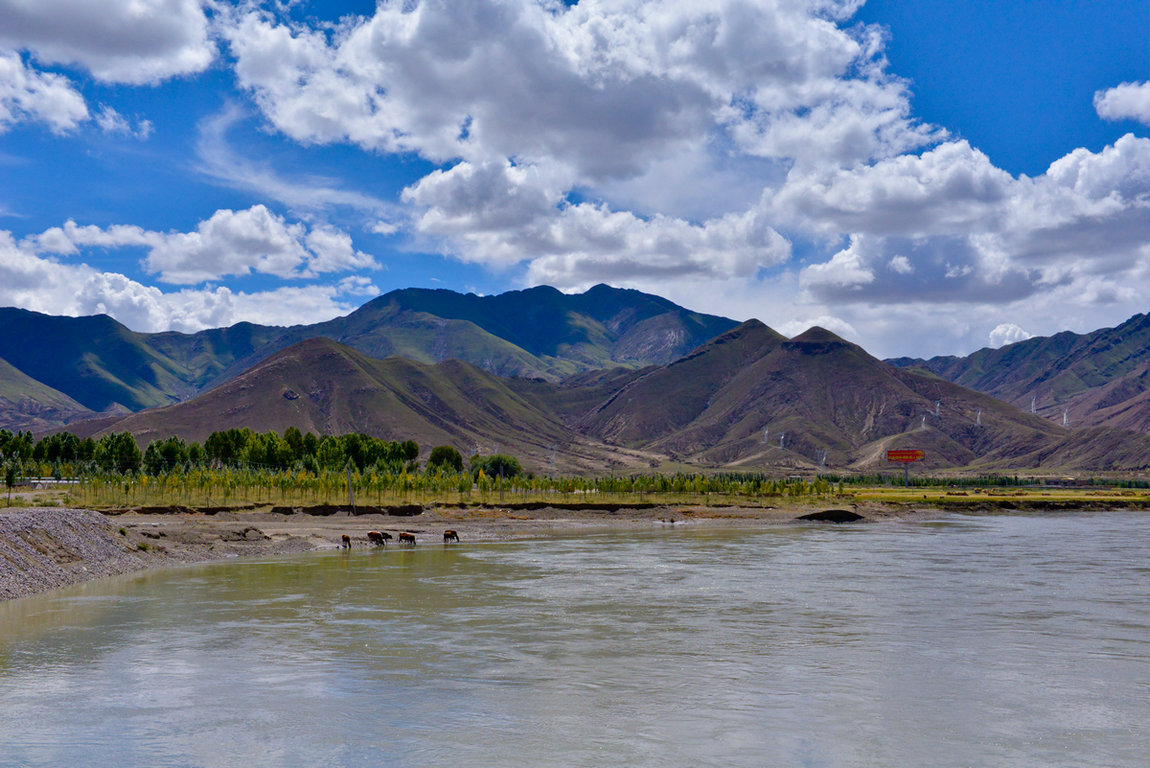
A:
[450,536]
[345,542]
[378,538]
[407,538]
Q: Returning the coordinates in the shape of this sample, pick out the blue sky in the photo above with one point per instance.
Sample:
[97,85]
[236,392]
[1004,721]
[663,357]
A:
[1017,79]
[923,177]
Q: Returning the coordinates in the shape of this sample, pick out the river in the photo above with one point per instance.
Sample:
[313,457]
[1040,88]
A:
[967,641]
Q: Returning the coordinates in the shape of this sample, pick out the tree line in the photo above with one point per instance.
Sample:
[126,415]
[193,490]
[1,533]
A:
[65,454]
[238,465]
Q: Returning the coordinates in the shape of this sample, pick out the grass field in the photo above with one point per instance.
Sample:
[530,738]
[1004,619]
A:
[1021,498]
[206,488]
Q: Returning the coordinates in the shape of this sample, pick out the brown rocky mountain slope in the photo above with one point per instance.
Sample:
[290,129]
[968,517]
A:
[327,388]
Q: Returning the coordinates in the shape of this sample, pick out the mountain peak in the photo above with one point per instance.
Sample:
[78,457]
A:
[751,338]
[601,289]
[748,331]
[816,334]
[316,345]
[318,353]
[600,327]
[753,323]
[819,341]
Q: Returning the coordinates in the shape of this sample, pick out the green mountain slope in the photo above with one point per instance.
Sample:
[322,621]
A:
[94,360]
[535,332]
[538,332]
[29,404]
[604,325]
[204,357]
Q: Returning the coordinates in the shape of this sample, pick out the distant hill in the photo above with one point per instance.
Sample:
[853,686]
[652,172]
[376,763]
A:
[1096,379]
[105,366]
[539,332]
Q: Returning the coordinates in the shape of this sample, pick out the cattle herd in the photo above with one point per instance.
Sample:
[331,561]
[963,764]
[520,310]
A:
[380,538]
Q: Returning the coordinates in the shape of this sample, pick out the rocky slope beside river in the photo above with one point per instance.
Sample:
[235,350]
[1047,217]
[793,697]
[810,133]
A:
[47,548]
[42,549]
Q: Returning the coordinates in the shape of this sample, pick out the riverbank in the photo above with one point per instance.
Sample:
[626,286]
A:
[44,548]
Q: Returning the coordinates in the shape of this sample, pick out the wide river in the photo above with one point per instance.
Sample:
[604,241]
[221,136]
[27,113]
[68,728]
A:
[969,641]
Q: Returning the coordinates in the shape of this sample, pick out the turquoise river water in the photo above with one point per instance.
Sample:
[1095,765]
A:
[968,641]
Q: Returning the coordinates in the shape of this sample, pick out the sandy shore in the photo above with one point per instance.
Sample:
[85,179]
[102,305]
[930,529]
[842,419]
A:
[44,548]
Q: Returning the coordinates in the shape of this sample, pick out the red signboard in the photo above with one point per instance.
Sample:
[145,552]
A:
[906,455]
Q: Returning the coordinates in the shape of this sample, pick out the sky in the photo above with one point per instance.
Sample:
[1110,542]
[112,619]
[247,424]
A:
[922,177]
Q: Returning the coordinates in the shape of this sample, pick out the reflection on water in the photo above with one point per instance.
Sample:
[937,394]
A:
[974,641]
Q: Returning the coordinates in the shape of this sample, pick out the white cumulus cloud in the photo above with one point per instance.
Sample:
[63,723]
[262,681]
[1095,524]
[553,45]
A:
[30,96]
[142,41]
[603,87]
[226,244]
[948,225]
[530,106]
[1128,101]
[503,214]
[1007,333]
[36,282]
[111,121]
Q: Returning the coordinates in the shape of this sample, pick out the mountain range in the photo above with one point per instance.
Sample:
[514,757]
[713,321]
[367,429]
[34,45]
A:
[78,367]
[749,399]
[604,380]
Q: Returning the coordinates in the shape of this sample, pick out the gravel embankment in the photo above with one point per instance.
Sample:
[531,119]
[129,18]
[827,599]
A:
[42,549]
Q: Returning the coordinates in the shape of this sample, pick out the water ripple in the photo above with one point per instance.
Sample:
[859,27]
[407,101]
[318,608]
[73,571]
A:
[1007,641]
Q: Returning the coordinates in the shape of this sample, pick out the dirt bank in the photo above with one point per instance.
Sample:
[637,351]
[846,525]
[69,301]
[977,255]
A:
[47,548]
